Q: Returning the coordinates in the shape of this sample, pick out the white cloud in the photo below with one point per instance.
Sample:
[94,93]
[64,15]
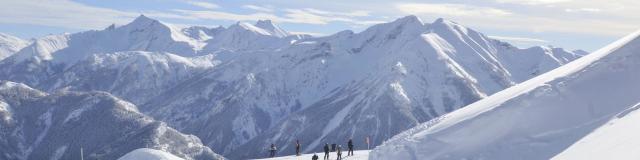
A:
[522,41]
[613,17]
[62,13]
[303,16]
[259,8]
[330,13]
[217,15]
[533,2]
[315,34]
[519,39]
[612,20]
[582,10]
[69,14]
[206,5]
[450,9]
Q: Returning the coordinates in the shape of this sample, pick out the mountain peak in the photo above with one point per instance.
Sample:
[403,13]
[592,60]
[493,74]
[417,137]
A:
[443,26]
[264,23]
[9,87]
[4,36]
[142,19]
[263,27]
[9,84]
[442,21]
[409,19]
[272,28]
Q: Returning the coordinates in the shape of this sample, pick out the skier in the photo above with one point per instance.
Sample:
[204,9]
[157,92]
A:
[326,151]
[273,150]
[350,145]
[297,148]
[339,153]
[314,157]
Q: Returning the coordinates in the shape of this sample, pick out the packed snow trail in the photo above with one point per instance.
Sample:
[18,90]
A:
[536,119]
[357,155]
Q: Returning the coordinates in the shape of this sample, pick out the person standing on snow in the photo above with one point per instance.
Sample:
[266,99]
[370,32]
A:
[326,151]
[297,148]
[339,149]
[273,150]
[350,145]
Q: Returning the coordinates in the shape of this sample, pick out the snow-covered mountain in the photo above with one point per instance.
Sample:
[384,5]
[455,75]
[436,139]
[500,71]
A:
[376,83]
[38,125]
[245,86]
[10,45]
[541,117]
[136,75]
[55,53]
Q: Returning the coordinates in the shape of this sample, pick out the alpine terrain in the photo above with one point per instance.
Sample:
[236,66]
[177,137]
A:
[242,87]
[582,110]
[38,125]
[10,45]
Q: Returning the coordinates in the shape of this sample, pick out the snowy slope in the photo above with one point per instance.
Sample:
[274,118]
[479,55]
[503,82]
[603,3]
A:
[617,139]
[245,86]
[536,119]
[149,154]
[10,45]
[357,155]
[135,75]
[38,125]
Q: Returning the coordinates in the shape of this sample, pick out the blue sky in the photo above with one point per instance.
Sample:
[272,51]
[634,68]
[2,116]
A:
[573,24]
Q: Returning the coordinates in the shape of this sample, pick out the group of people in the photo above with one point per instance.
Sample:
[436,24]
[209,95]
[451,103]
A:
[334,148]
[337,149]
[273,149]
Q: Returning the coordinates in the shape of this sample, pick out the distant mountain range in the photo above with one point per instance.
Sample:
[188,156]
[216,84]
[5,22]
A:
[243,87]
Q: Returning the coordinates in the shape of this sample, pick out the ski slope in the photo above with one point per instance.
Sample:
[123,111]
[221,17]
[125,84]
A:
[357,155]
[538,118]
